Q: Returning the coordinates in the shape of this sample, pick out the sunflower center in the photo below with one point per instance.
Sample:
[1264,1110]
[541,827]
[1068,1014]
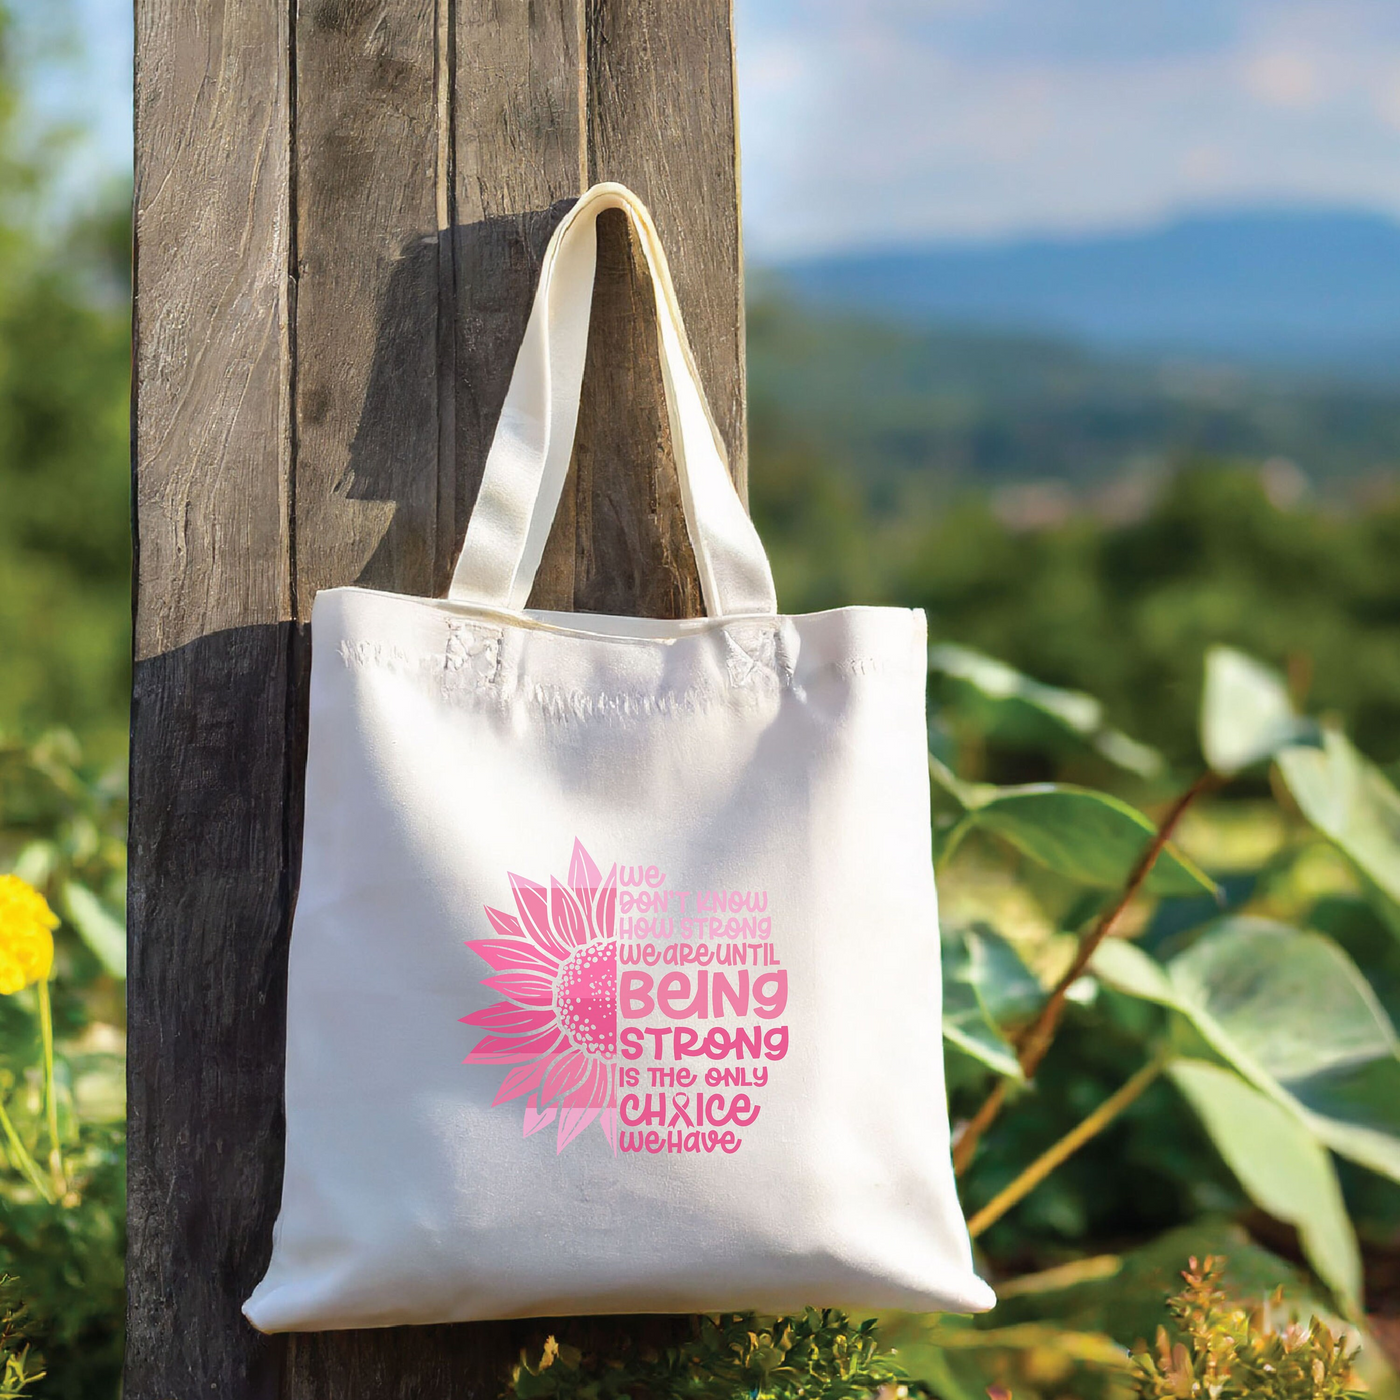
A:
[585,998]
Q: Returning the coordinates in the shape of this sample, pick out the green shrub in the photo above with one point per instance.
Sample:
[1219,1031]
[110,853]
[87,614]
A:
[814,1356]
[1219,1351]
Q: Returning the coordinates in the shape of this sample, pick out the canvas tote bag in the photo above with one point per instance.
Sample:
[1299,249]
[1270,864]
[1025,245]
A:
[614,975]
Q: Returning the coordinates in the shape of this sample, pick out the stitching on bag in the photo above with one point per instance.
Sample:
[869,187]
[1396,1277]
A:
[358,655]
[473,653]
[560,704]
[759,658]
[870,666]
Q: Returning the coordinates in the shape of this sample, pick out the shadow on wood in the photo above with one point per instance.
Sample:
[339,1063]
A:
[619,542]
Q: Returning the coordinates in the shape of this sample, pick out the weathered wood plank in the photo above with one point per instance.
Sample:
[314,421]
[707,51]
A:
[212,822]
[328,306]
[662,119]
[210,318]
[367,412]
[519,153]
[211,809]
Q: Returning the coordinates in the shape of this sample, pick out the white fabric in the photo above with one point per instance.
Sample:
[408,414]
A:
[546,853]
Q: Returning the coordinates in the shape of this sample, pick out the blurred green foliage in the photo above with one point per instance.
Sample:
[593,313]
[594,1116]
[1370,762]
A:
[65,528]
[1123,612]
[64,461]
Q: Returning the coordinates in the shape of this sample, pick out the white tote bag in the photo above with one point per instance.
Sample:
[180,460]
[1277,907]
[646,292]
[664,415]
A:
[614,975]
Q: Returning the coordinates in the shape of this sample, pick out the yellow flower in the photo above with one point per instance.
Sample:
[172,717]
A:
[26,935]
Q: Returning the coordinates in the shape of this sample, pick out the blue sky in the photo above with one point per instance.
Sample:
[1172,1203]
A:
[876,121]
[79,55]
[871,121]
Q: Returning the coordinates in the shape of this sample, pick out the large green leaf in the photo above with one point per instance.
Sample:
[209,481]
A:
[985,986]
[1088,836]
[1350,801]
[1280,1164]
[1246,715]
[1292,1013]
[1008,705]
[1289,1000]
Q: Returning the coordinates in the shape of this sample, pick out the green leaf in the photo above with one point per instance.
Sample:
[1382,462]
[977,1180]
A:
[1088,836]
[1292,1001]
[102,931]
[1293,1014]
[1246,715]
[1008,705]
[966,795]
[1281,1166]
[985,986]
[1125,966]
[1350,802]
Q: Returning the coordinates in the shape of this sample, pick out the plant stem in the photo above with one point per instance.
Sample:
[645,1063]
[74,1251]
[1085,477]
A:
[1033,1042]
[966,1143]
[23,1160]
[1067,1146]
[50,1101]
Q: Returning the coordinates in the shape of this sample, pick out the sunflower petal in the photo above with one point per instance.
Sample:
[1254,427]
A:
[567,1074]
[568,917]
[529,988]
[583,1105]
[507,925]
[584,879]
[535,1119]
[533,902]
[523,1079]
[506,1016]
[514,1050]
[506,953]
[605,909]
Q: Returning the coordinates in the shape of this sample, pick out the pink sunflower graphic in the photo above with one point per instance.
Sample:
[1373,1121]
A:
[557,962]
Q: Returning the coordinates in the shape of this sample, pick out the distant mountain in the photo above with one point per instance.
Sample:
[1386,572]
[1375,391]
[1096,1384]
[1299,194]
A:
[1305,288]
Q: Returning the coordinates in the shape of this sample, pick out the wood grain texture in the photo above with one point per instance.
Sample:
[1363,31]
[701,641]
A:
[662,119]
[212,777]
[211,356]
[341,208]
[367,302]
[214,819]
[519,157]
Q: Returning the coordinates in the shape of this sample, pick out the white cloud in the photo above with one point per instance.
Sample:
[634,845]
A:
[1283,78]
[874,121]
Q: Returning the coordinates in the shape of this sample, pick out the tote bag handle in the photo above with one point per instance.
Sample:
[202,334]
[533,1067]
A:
[534,439]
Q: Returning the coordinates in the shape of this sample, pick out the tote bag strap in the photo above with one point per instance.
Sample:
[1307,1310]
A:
[534,439]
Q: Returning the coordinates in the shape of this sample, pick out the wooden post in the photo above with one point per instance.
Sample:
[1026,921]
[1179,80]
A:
[340,208]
